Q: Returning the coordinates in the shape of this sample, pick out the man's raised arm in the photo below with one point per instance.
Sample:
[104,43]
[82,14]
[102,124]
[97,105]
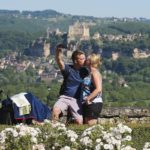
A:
[59,56]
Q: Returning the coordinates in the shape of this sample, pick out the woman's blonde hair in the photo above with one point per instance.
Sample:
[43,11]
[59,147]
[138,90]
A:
[95,60]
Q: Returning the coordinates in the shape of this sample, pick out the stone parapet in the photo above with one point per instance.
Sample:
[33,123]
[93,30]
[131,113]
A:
[115,115]
[116,120]
[125,111]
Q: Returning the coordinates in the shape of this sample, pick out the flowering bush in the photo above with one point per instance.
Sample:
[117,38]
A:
[55,136]
[19,137]
[115,138]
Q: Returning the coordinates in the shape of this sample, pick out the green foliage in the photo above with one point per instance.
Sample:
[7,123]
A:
[18,144]
[123,95]
[14,40]
[140,136]
[13,82]
[105,26]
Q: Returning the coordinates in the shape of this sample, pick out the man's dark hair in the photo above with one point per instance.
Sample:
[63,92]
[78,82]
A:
[76,53]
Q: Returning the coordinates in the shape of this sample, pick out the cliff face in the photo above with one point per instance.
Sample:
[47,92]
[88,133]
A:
[38,48]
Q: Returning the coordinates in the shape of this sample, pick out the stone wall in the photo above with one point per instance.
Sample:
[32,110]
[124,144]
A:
[124,114]
[115,115]
[125,111]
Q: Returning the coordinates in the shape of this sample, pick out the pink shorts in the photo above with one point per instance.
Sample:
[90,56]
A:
[65,102]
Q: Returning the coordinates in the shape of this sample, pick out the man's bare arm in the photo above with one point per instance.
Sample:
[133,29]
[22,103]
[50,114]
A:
[59,57]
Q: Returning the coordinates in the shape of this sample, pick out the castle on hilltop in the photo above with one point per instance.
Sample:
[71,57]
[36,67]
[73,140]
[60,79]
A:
[78,31]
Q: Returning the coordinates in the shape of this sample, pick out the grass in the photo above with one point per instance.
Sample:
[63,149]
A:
[140,136]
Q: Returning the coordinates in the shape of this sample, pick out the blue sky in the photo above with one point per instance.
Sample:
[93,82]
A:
[97,8]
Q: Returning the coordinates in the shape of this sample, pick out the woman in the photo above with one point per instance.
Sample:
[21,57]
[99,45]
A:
[92,91]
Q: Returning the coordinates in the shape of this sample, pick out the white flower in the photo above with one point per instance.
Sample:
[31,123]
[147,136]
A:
[72,134]
[128,138]
[106,136]
[9,130]
[84,134]
[72,139]
[66,148]
[15,133]
[47,121]
[106,146]
[122,130]
[57,124]
[98,140]
[56,144]
[2,137]
[101,143]
[86,141]
[98,147]
[38,147]
[89,132]
[147,145]
[62,128]
[22,133]
[128,147]
[34,133]
[116,142]
[129,130]
[2,147]
[118,136]
[146,148]
[34,140]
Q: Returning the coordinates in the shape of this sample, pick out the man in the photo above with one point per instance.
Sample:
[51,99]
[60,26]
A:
[71,87]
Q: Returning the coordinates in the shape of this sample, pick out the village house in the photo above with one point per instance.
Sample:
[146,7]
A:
[96,36]
[137,53]
[115,56]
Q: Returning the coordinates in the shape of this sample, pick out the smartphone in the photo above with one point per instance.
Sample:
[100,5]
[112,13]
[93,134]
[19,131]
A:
[64,38]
